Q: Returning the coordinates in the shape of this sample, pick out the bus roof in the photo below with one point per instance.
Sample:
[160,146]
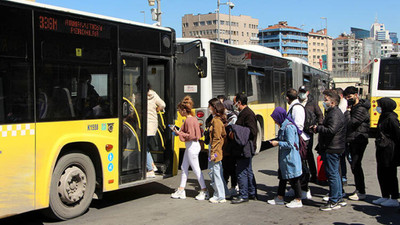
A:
[77,12]
[254,48]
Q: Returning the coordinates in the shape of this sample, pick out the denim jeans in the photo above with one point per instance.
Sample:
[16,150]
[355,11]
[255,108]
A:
[332,164]
[149,158]
[246,179]
[217,179]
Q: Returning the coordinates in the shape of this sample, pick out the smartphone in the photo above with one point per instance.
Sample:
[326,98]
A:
[171,126]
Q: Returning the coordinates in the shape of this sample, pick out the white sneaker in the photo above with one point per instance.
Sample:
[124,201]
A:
[290,193]
[390,203]
[215,200]
[179,194]
[325,198]
[276,201]
[294,204]
[379,201]
[203,195]
[155,169]
[150,174]
[306,194]
[357,196]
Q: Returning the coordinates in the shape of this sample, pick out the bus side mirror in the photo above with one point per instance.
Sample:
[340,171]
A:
[201,65]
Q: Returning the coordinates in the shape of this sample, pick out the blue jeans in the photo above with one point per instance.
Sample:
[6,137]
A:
[217,179]
[332,164]
[246,179]
[149,159]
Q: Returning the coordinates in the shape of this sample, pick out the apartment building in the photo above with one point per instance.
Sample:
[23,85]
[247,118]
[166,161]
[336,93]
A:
[347,54]
[320,49]
[243,29]
[288,40]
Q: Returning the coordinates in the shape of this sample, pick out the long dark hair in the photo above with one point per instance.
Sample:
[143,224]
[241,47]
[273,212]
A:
[220,111]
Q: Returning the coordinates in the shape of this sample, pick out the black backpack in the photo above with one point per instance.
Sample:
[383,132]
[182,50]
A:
[310,119]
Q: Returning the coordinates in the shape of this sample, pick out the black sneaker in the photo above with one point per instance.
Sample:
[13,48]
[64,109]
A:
[342,202]
[330,206]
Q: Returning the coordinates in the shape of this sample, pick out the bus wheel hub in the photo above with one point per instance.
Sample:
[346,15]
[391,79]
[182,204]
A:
[72,185]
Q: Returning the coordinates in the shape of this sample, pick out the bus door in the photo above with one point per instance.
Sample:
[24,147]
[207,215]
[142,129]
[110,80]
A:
[132,133]
[17,127]
[280,88]
[142,139]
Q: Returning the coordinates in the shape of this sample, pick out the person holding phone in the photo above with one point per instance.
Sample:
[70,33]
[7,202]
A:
[190,134]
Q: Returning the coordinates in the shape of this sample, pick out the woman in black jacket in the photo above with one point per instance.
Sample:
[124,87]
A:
[386,158]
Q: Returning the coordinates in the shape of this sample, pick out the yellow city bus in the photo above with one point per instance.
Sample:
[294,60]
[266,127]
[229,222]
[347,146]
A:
[384,82]
[72,112]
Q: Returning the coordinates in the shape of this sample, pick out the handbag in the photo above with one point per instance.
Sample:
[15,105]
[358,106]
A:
[385,149]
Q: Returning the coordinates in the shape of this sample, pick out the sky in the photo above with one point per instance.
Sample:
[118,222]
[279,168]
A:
[340,14]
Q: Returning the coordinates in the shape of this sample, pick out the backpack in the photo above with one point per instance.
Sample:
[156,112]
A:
[302,148]
[309,120]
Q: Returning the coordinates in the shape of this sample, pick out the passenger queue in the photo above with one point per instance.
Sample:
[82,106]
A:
[342,134]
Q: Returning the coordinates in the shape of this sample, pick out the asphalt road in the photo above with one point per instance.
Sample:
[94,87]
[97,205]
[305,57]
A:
[151,203]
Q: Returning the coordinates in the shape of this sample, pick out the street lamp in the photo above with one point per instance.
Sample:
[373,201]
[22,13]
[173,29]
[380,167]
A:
[301,41]
[230,5]
[156,13]
[144,16]
[326,39]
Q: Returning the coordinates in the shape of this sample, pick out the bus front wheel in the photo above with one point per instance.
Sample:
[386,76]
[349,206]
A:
[72,186]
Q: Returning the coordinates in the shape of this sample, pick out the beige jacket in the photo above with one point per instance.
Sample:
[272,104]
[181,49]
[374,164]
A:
[154,103]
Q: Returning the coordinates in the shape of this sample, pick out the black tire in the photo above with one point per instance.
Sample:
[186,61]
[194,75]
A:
[59,208]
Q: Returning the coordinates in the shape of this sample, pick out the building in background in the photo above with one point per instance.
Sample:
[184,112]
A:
[378,32]
[244,29]
[386,47]
[370,49]
[320,49]
[347,54]
[396,47]
[347,60]
[290,41]
[360,33]
[393,37]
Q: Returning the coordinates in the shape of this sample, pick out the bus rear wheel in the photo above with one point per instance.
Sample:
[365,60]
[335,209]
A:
[72,186]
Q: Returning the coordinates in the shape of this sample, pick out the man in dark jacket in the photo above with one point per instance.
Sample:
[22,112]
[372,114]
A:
[308,102]
[357,117]
[244,171]
[331,144]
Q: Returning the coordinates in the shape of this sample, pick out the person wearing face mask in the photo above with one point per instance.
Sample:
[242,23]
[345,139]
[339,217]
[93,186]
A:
[310,104]
[331,144]
[358,121]
[244,170]
[387,158]
[289,160]
[211,103]
[297,113]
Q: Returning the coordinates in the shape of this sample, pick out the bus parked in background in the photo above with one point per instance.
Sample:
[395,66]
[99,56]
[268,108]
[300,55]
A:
[384,82]
[72,112]
[259,72]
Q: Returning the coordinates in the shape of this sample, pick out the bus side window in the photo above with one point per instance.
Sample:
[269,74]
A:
[241,75]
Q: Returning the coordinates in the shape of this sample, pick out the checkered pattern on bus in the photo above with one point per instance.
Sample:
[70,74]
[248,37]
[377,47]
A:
[16,130]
